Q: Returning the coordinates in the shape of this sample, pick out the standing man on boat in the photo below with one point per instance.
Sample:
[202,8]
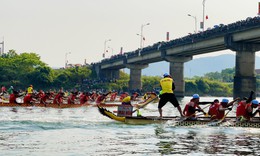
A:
[167,85]
[30,90]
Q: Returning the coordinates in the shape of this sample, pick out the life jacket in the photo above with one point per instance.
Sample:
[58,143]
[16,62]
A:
[100,98]
[189,110]
[122,96]
[43,98]
[166,84]
[220,114]
[241,109]
[94,96]
[71,99]
[213,110]
[12,98]
[247,114]
[30,90]
[27,99]
[113,96]
[82,98]
[58,99]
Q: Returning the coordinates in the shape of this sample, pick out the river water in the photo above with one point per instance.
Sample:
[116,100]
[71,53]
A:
[84,131]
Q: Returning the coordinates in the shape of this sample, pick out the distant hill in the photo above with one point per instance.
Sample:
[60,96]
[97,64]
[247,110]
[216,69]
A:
[196,67]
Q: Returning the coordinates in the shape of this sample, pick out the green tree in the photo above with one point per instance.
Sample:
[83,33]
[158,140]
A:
[213,76]
[202,85]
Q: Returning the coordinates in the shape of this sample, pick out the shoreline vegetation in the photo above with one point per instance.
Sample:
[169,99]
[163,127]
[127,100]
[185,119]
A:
[21,70]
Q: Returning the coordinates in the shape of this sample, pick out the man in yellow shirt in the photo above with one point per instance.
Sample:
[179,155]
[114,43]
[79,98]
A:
[167,94]
[30,90]
[127,100]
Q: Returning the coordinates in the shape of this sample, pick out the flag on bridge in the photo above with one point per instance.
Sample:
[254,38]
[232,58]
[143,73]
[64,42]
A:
[167,36]
[207,17]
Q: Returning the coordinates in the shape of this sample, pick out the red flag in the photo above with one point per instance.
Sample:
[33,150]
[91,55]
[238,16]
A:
[207,17]
[167,36]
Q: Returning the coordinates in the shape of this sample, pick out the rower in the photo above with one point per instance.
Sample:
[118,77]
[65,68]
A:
[213,109]
[58,99]
[13,97]
[224,105]
[72,97]
[83,98]
[135,95]
[245,110]
[126,109]
[123,95]
[113,96]
[44,97]
[191,108]
[102,98]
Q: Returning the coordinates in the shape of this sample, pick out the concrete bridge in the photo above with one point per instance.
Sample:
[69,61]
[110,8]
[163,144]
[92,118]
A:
[242,37]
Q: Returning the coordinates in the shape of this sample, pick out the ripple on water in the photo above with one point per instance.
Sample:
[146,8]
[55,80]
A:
[83,131]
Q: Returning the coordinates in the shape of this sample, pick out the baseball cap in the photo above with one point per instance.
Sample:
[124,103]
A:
[255,102]
[195,96]
[165,74]
[225,100]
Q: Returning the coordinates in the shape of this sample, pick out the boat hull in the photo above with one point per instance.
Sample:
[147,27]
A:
[56,105]
[177,121]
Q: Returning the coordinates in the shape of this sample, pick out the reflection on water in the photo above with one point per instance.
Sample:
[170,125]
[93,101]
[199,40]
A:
[211,141]
[83,131]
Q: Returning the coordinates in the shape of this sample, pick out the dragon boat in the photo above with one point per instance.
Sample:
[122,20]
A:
[178,121]
[51,105]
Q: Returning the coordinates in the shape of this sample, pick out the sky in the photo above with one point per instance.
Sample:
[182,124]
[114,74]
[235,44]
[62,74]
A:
[79,29]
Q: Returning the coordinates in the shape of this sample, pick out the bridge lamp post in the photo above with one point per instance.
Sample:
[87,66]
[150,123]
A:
[66,60]
[2,49]
[112,50]
[203,4]
[195,18]
[141,35]
[105,47]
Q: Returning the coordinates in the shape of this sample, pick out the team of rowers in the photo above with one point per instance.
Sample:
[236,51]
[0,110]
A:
[61,97]
[216,110]
[244,111]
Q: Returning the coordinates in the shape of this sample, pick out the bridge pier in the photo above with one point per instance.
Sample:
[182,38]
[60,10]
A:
[245,78]
[177,72]
[107,74]
[111,74]
[135,82]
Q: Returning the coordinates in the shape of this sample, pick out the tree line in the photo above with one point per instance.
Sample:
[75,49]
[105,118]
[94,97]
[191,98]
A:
[24,69]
